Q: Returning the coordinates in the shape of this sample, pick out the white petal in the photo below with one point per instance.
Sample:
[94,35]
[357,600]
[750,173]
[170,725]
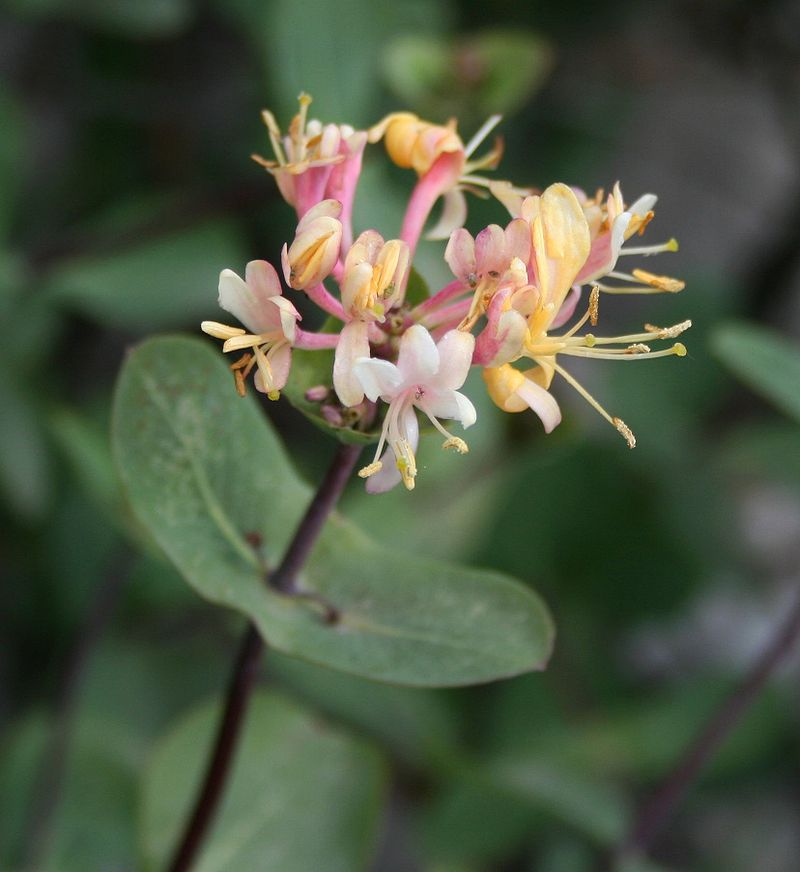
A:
[455,358]
[377,377]
[353,344]
[238,298]
[418,359]
[454,214]
[288,316]
[643,205]
[542,402]
[450,404]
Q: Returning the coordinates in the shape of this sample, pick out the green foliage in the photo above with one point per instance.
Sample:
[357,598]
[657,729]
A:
[155,283]
[764,361]
[301,795]
[472,77]
[137,18]
[401,618]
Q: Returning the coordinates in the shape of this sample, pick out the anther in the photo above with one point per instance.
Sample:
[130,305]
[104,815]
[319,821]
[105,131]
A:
[663,283]
[625,431]
[637,348]
[668,332]
[594,305]
[370,469]
[456,443]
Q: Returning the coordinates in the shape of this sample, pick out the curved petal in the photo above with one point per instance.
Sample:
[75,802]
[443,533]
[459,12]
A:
[455,358]
[286,317]
[245,304]
[490,251]
[460,254]
[450,404]
[378,378]
[561,242]
[518,239]
[353,344]
[262,279]
[418,359]
[501,340]
[454,214]
[542,402]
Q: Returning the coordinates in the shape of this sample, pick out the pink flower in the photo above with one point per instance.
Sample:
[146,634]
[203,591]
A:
[257,303]
[425,377]
[372,283]
[315,162]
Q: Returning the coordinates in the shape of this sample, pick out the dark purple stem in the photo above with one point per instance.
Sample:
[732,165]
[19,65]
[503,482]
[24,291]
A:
[245,670]
[662,804]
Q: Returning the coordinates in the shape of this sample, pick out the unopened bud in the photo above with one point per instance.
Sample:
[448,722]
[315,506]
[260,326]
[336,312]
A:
[315,250]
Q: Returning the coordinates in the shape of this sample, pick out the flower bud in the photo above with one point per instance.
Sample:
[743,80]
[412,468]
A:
[415,144]
[315,250]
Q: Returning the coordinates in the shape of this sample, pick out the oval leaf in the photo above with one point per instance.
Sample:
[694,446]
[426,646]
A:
[764,361]
[206,475]
[301,796]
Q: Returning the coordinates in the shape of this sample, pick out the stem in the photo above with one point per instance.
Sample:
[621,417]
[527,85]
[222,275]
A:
[662,804]
[245,670]
[326,301]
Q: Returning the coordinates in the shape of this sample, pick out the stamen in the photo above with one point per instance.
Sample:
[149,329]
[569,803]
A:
[581,390]
[457,444]
[647,250]
[663,283]
[669,332]
[274,136]
[370,469]
[243,340]
[625,431]
[594,305]
[220,331]
[483,131]
[406,462]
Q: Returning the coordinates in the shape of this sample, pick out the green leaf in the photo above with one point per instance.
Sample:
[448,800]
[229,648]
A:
[313,369]
[416,724]
[301,796]
[157,283]
[494,71]
[764,361]
[297,41]
[128,18]
[592,806]
[203,470]
[25,465]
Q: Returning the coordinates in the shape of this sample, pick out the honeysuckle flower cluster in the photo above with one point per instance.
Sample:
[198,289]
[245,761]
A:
[509,310]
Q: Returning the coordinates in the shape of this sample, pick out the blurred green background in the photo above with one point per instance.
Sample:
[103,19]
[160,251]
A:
[126,185]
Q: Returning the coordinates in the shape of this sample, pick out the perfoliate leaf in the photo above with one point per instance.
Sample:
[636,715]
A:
[206,475]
